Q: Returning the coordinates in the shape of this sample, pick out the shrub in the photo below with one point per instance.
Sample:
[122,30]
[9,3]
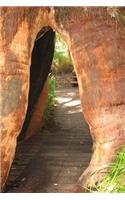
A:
[51,97]
[62,60]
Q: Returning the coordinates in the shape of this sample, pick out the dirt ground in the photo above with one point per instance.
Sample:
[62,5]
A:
[54,159]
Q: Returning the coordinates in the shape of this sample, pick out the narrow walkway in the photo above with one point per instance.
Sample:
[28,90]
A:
[59,154]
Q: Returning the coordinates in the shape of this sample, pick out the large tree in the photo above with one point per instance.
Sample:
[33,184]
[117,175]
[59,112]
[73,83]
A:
[96,39]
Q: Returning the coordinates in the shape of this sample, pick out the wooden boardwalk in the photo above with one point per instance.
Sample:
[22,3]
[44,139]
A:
[53,160]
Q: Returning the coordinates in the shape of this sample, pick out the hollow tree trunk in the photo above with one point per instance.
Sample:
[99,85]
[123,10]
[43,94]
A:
[102,89]
[97,41]
[14,94]
[96,38]
[16,43]
[98,51]
[18,31]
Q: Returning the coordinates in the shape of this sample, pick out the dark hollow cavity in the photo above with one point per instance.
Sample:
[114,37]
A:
[41,61]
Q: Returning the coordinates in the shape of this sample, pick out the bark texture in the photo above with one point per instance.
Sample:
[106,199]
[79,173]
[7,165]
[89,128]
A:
[18,30]
[37,116]
[96,39]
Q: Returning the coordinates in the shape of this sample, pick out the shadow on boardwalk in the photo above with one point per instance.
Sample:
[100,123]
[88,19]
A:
[53,160]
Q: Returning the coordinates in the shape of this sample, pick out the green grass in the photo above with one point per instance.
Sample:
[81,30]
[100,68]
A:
[114,181]
[51,97]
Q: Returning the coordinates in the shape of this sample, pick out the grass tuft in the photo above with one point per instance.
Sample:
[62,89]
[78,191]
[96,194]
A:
[114,181]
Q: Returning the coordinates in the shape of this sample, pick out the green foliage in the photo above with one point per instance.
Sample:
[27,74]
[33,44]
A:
[51,97]
[114,181]
[62,61]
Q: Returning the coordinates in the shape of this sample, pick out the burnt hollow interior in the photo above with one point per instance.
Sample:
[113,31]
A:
[41,60]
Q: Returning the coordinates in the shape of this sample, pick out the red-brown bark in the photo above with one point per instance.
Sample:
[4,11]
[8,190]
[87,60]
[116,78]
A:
[96,40]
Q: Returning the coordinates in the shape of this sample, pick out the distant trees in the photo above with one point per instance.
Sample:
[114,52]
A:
[62,62]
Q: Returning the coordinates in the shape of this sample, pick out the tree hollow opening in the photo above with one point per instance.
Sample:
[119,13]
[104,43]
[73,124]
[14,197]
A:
[41,60]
